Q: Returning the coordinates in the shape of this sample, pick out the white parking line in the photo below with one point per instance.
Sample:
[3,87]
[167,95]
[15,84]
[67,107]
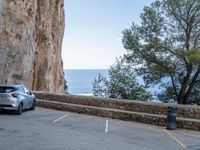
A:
[106,126]
[173,137]
[60,118]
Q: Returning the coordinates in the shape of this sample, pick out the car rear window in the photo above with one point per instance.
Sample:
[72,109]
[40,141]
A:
[6,89]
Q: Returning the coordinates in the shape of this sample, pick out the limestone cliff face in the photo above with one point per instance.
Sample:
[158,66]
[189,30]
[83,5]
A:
[49,33]
[31,33]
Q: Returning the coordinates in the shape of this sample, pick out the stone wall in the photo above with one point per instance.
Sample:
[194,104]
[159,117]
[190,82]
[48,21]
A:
[183,111]
[188,117]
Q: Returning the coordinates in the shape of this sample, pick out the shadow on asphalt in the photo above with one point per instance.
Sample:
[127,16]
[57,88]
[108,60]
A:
[187,135]
[10,112]
[194,147]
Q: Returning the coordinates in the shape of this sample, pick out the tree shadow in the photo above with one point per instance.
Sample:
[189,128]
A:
[194,147]
[185,134]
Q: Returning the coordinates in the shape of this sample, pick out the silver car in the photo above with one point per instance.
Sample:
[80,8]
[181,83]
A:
[17,98]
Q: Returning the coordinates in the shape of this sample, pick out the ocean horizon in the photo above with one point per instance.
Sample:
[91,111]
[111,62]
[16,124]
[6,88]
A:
[79,81]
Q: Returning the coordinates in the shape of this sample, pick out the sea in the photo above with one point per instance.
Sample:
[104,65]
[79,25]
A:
[80,81]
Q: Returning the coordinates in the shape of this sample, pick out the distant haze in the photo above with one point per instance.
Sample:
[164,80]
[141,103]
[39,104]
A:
[80,81]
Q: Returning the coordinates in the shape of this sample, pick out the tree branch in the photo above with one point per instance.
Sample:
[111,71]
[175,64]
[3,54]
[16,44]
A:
[184,84]
[192,83]
[173,84]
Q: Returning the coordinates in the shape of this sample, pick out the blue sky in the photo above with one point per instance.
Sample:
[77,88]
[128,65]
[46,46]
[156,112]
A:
[92,38]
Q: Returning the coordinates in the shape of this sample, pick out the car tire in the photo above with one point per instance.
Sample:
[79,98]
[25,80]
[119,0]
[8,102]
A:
[33,105]
[19,109]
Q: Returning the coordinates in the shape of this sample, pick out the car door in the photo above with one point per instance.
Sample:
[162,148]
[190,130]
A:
[29,98]
[23,97]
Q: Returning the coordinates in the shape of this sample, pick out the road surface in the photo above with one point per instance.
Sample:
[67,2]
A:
[46,129]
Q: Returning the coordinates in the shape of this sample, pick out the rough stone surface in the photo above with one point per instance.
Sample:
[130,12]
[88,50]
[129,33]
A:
[105,112]
[183,111]
[49,32]
[188,117]
[154,119]
[31,33]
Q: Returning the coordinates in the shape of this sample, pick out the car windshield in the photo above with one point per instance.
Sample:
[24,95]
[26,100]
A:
[4,89]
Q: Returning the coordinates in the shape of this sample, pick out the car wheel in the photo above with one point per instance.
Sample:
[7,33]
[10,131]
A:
[19,109]
[33,106]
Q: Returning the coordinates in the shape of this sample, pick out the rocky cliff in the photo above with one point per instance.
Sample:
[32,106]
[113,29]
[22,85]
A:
[31,33]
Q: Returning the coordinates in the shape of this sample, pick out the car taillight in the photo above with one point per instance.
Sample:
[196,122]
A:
[14,95]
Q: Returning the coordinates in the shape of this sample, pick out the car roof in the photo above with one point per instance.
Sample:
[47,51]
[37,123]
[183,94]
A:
[10,85]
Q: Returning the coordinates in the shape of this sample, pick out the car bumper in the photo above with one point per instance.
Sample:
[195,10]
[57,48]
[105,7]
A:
[9,104]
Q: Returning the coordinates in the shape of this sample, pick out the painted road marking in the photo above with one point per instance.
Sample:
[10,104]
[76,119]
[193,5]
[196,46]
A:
[106,126]
[60,118]
[173,137]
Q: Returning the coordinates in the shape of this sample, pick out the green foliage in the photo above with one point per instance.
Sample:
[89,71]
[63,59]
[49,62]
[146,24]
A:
[194,56]
[122,84]
[100,86]
[166,47]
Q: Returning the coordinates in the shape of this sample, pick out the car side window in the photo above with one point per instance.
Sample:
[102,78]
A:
[26,90]
[21,89]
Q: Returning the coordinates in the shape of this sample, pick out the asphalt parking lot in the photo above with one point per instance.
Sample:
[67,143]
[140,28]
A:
[45,129]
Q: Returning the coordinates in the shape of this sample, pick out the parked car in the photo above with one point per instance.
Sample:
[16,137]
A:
[17,98]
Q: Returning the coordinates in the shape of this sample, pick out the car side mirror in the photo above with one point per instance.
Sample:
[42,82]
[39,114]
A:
[29,93]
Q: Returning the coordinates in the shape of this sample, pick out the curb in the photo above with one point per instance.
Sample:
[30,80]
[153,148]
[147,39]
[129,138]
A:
[153,119]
